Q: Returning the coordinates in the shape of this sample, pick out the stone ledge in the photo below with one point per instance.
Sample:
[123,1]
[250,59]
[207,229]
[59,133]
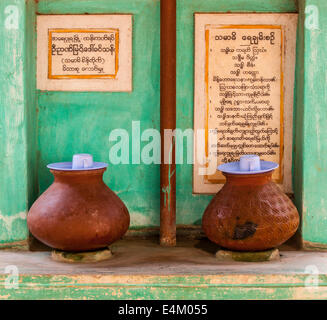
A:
[144,270]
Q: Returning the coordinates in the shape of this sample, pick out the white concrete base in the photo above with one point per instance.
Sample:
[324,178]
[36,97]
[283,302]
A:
[259,256]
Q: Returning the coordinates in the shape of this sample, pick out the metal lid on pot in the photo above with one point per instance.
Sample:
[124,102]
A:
[82,161]
[248,164]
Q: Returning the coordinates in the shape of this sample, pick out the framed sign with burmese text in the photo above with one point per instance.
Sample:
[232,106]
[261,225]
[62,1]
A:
[243,93]
[84,52]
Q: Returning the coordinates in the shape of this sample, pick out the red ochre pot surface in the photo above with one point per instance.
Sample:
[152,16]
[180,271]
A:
[250,213]
[78,212]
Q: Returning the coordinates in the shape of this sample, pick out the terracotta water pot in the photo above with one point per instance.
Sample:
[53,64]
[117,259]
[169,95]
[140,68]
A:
[78,212]
[250,213]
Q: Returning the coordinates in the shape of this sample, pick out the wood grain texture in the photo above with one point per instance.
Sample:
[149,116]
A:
[15,97]
[312,142]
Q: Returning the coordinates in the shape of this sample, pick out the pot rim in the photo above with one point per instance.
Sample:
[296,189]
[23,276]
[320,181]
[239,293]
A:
[67,166]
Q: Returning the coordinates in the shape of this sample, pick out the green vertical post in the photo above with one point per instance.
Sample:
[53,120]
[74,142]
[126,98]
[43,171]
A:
[314,133]
[13,124]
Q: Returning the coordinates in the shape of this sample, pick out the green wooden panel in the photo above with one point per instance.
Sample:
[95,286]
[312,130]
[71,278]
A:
[14,116]
[314,137]
[166,287]
[191,207]
[75,122]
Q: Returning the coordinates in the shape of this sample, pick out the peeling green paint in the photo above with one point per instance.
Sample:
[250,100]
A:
[165,287]
[11,223]
[314,138]
[15,97]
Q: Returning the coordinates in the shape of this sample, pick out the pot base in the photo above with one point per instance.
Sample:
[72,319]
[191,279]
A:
[258,256]
[82,257]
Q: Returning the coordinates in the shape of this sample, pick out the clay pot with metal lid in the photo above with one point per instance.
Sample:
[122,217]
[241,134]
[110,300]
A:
[250,212]
[78,212]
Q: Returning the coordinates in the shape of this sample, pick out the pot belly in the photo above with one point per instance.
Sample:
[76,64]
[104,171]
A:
[78,219]
[246,218]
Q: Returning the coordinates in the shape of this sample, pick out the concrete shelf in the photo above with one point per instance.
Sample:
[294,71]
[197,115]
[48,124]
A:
[141,269]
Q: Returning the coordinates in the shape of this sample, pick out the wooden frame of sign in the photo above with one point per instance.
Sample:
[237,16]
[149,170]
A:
[243,93]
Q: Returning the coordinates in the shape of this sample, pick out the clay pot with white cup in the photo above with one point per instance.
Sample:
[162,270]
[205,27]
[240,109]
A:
[250,212]
[78,212]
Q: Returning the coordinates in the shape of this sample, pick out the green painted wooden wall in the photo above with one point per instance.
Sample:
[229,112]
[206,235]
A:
[39,127]
[17,119]
[191,207]
[313,115]
[80,122]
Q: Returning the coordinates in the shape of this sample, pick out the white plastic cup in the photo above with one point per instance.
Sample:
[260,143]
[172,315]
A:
[82,161]
[250,162]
